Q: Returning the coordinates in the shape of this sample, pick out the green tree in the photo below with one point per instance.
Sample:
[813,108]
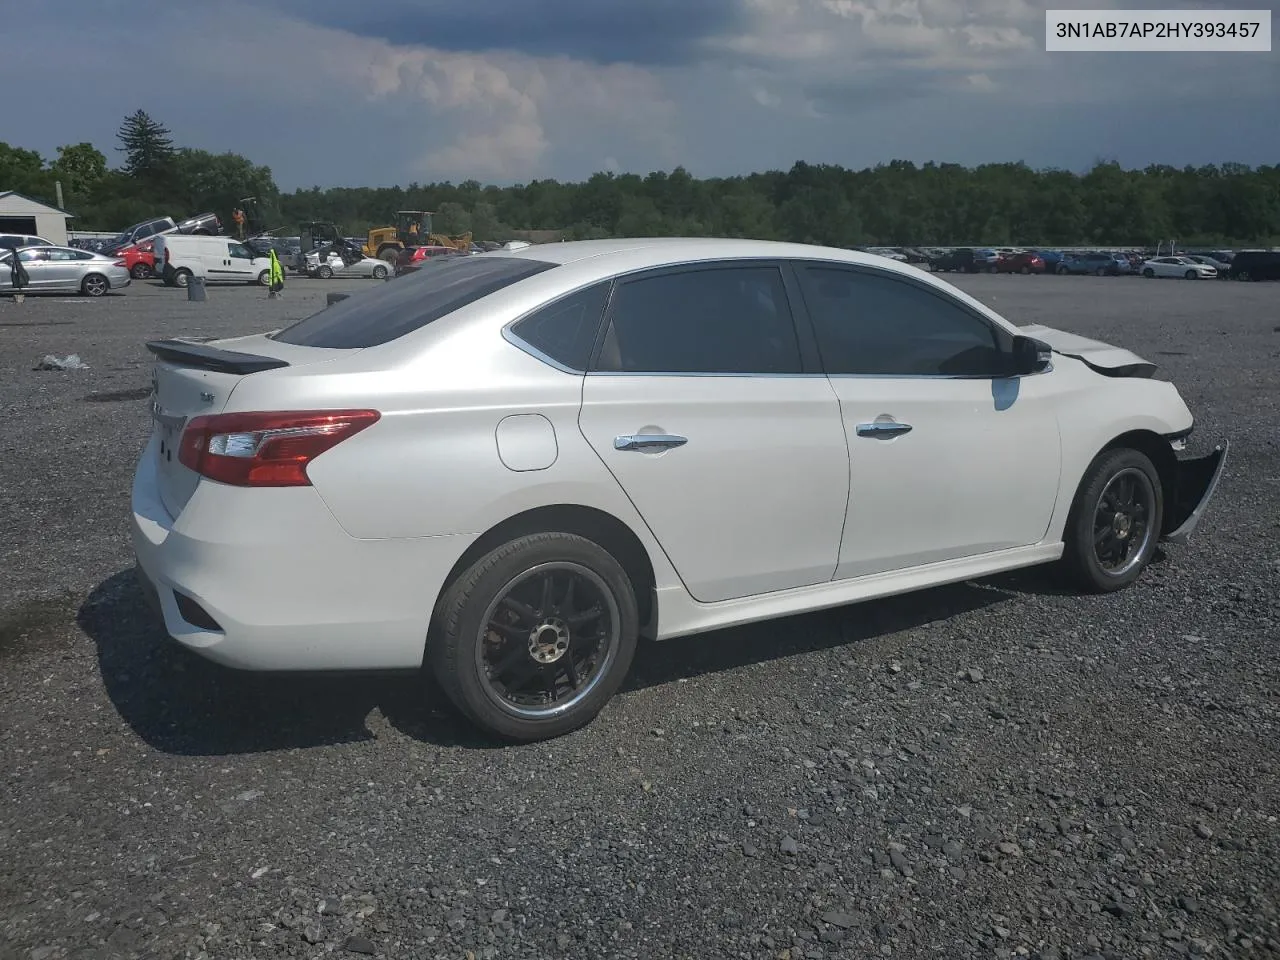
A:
[80,167]
[146,145]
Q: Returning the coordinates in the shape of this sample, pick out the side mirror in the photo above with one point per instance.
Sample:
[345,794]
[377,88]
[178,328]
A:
[1029,356]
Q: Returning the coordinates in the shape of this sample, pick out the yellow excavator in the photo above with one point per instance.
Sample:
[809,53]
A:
[412,228]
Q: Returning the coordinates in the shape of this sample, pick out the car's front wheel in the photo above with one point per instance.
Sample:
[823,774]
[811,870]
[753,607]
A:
[1114,525]
[534,638]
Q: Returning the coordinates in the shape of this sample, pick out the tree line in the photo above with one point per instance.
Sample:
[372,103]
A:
[897,203]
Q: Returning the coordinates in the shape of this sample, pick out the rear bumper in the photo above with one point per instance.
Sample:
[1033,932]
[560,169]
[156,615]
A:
[1195,483]
[268,580]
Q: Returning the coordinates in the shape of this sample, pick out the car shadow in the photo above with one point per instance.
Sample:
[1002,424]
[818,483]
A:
[179,703]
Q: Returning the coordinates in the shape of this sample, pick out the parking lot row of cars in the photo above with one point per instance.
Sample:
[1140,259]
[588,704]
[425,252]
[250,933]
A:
[1198,265]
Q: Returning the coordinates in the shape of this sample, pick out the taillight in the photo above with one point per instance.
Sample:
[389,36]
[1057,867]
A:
[266,449]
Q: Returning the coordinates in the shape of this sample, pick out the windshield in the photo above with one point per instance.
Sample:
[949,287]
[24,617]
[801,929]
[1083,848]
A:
[410,302]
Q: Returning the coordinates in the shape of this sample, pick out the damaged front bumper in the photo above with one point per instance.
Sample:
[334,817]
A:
[1194,482]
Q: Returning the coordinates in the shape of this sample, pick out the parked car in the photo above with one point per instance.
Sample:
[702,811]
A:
[960,260]
[1221,269]
[139,258]
[52,269]
[986,259]
[1255,265]
[1051,259]
[178,258]
[335,266]
[510,467]
[14,241]
[1025,262]
[1100,264]
[1181,267]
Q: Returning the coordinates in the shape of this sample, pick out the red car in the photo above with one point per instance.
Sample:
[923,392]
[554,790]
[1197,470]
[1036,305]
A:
[411,259]
[1019,263]
[139,258]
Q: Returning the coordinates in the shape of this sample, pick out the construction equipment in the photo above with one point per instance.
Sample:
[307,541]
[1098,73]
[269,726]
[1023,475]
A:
[460,241]
[412,229]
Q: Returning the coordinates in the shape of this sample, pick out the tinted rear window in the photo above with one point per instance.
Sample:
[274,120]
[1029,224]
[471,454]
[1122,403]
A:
[410,302]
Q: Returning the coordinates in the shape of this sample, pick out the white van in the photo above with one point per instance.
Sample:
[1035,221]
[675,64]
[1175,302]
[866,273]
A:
[180,257]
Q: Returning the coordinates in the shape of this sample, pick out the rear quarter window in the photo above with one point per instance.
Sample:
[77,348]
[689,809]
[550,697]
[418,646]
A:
[410,302]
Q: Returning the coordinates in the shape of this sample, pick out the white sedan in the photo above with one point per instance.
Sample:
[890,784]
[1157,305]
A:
[1181,267]
[510,467]
[335,266]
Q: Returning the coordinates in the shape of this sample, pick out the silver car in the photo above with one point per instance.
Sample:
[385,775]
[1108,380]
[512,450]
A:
[65,270]
[335,266]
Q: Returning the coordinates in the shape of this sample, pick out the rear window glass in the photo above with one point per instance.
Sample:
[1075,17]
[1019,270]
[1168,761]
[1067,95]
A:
[410,302]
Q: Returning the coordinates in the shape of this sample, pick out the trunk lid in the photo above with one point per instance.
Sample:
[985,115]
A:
[193,378]
[1104,358]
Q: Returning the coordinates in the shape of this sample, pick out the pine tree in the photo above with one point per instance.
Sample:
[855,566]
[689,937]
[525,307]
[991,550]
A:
[146,144]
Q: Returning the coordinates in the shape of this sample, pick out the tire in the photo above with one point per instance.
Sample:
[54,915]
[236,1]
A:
[1062,271]
[389,254]
[180,277]
[1102,271]
[95,285]
[1024,270]
[1149,273]
[380,272]
[459,649]
[1112,469]
[140,271]
[325,272]
[264,278]
[1191,275]
[933,268]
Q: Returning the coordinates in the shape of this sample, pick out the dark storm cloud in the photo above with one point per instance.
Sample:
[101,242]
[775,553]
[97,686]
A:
[657,32]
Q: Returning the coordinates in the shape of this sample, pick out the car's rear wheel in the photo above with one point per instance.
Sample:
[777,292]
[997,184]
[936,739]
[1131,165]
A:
[1114,525]
[264,278]
[140,271]
[325,272]
[94,285]
[535,637]
[380,272]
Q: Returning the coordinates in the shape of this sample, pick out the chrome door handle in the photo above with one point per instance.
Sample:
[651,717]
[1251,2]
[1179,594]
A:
[649,441]
[883,429]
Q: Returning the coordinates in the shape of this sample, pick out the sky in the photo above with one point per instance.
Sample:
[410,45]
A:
[364,93]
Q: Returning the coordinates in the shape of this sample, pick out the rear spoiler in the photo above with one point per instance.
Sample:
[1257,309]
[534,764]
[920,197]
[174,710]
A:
[203,357]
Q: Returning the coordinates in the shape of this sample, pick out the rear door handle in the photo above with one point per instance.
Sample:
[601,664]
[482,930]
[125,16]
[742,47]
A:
[649,441]
[883,429]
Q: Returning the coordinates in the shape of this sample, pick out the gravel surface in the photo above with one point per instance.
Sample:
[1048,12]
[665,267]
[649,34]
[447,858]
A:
[995,769]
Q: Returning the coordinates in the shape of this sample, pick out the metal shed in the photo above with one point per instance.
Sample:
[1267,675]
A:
[21,214]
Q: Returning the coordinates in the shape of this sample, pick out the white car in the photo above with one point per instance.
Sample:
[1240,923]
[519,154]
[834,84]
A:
[1182,267]
[335,266]
[510,467]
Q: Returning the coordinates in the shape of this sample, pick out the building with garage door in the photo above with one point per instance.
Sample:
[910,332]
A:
[21,214]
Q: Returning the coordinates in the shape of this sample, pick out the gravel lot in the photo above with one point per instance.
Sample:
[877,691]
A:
[994,769]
